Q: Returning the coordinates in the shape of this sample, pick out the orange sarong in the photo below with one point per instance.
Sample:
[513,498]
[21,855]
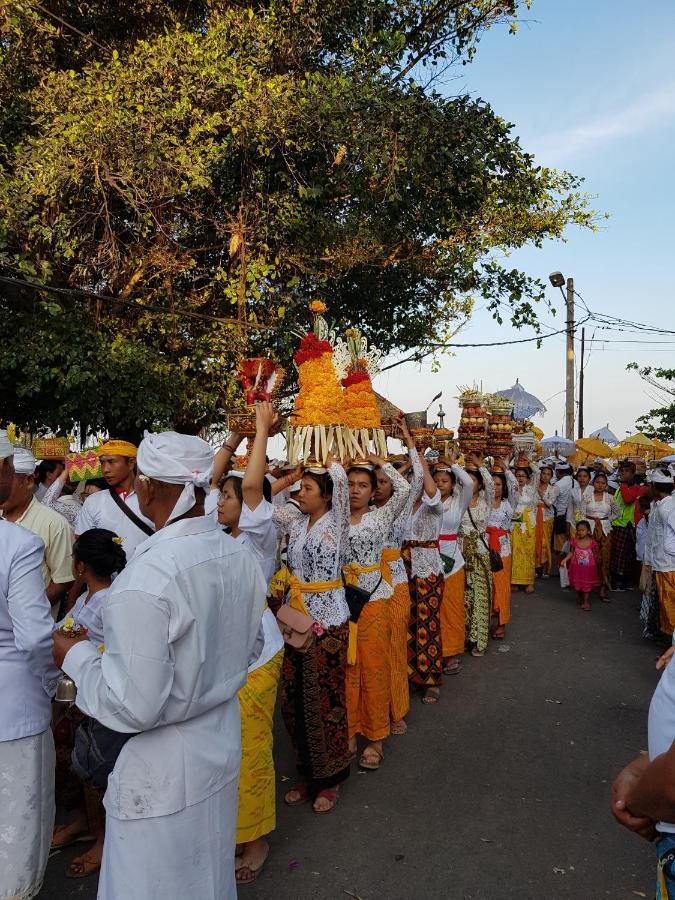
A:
[368,680]
[665,588]
[542,546]
[453,615]
[501,592]
[399,617]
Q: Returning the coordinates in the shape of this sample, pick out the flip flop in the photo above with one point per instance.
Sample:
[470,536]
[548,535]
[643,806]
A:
[253,871]
[331,794]
[369,761]
[398,727]
[301,789]
[431,695]
[76,839]
[80,867]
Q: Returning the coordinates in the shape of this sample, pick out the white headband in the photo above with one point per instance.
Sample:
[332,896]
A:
[177,459]
[24,461]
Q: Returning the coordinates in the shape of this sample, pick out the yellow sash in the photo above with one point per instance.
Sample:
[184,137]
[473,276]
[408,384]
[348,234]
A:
[352,571]
[298,588]
[389,555]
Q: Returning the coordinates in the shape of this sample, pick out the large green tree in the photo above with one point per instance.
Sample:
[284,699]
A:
[660,421]
[201,170]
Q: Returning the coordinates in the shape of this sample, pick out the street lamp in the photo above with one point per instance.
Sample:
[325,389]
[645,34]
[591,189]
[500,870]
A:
[557,280]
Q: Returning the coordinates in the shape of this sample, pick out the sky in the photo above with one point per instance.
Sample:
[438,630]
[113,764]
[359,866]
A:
[590,88]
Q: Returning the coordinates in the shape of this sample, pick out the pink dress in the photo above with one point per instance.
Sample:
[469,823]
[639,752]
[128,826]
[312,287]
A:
[582,568]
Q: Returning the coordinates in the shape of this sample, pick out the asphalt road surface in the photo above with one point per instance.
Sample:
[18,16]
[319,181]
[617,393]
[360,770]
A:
[499,792]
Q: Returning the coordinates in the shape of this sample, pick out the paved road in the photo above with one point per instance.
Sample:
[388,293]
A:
[499,792]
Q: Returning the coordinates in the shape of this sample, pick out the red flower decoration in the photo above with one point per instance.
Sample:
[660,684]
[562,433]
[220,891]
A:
[355,378]
[311,347]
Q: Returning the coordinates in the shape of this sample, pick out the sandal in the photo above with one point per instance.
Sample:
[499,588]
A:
[399,727]
[452,668]
[247,873]
[82,866]
[477,653]
[74,839]
[499,633]
[301,790]
[431,695]
[371,759]
[330,794]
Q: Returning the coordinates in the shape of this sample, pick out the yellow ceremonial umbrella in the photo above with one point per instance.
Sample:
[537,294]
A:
[635,445]
[537,432]
[661,448]
[594,447]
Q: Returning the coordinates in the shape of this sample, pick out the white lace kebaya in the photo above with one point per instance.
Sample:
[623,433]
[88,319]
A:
[318,553]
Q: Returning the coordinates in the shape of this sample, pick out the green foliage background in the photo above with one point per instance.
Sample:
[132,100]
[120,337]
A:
[235,160]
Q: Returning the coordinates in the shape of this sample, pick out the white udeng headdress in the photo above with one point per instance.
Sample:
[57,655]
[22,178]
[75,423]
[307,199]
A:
[177,459]
[6,446]
[24,461]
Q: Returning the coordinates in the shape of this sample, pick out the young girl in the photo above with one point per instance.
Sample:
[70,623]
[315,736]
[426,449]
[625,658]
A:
[582,565]
[97,554]
[498,531]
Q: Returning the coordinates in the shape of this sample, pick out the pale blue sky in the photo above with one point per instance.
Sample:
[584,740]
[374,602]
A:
[590,86]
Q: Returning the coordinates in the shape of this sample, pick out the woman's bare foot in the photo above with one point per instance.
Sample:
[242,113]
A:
[529,589]
[298,794]
[87,863]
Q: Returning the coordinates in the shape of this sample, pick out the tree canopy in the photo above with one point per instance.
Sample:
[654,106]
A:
[660,421]
[189,175]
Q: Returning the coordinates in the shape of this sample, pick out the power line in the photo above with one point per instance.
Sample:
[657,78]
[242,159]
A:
[70,27]
[92,295]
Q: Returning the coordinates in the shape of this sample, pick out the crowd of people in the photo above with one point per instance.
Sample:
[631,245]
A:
[181,595]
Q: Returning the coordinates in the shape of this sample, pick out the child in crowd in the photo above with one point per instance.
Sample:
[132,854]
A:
[582,564]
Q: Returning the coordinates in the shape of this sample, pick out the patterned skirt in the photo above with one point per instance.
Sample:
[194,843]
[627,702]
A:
[623,550]
[477,592]
[425,649]
[314,708]
[604,542]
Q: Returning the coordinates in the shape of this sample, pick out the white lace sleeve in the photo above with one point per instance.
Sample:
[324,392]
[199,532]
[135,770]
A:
[465,482]
[284,517]
[417,483]
[488,486]
[513,487]
[397,502]
[341,510]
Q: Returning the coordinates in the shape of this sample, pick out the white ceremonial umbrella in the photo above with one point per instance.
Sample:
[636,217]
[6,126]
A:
[559,445]
[525,405]
[606,434]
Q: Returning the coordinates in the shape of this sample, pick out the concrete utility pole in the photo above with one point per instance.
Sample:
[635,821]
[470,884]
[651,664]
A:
[581,383]
[569,386]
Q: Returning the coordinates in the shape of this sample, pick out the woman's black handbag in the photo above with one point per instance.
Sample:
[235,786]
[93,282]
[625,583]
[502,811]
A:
[496,562]
[357,598]
[95,752]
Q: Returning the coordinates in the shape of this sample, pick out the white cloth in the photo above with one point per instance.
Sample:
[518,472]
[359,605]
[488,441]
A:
[27,673]
[564,486]
[605,509]
[318,553]
[89,615]
[640,538]
[24,461]
[177,459]
[189,854]
[259,536]
[657,554]
[67,505]
[425,525]
[661,723]
[501,518]
[100,511]
[454,508]
[179,625]
[368,538]
[548,498]
[480,513]
[6,446]
[669,540]
[26,813]
[398,530]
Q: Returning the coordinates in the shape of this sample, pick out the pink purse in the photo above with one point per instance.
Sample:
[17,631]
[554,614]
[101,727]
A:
[296,628]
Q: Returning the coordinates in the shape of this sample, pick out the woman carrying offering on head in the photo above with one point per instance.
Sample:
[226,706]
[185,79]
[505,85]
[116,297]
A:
[545,516]
[399,603]
[472,533]
[425,578]
[369,673]
[313,698]
[524,491]
[498,531]
[456,489]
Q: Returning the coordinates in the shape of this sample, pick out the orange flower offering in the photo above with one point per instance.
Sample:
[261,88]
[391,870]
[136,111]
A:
[361,409]
[319,399]
[318,307]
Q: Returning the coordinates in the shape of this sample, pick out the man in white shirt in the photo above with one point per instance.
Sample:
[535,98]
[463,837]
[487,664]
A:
[22,508]
[117,508]
[658,550]
[180,623]
[27,681]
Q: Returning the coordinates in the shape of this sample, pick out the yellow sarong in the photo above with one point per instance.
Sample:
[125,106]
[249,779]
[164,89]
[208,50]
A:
[523,550]
[665,588]
[256,816]
[352,571]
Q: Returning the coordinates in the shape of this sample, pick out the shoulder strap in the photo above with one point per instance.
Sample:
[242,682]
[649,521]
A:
[480,535]
[130,514]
